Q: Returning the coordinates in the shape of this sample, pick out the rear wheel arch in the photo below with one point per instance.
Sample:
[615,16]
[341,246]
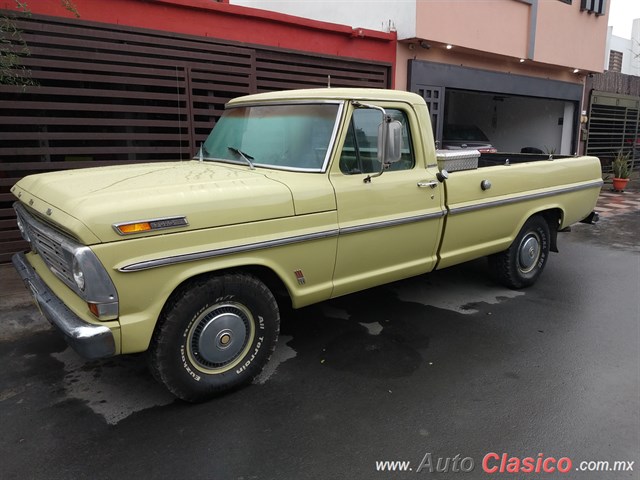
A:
[554,218]
[522,263]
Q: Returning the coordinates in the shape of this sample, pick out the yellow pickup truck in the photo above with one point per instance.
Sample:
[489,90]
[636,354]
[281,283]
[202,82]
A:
[295,197]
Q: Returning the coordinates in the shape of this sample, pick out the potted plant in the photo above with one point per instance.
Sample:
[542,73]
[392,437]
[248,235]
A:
[621,171]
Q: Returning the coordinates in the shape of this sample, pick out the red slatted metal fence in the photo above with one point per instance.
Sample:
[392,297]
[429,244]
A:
[108,94]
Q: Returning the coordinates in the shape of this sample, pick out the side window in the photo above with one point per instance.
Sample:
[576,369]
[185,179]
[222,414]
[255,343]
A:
[360,150]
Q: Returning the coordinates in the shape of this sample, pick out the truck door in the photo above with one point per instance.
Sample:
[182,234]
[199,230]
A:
[390,225]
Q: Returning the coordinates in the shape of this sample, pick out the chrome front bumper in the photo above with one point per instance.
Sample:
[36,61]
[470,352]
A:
[89,340]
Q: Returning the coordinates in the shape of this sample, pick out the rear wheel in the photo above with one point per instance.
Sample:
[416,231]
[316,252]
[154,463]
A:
[523,262]
[215,334]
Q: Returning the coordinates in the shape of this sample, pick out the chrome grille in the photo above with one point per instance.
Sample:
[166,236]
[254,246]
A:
[49,244]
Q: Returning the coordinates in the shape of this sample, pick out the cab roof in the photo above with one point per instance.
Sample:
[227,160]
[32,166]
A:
[339,94]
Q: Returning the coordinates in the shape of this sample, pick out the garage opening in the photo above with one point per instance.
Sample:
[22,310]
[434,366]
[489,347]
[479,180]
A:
[509,112]
[508,123]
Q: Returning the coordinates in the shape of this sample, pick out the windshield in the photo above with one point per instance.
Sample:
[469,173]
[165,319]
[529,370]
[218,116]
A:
[291,137]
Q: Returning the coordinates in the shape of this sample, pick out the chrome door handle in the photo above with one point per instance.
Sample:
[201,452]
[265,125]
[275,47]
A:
[432,184]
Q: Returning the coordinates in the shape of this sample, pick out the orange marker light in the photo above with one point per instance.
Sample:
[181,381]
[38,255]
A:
[93,308]
[141,226]
[134,227]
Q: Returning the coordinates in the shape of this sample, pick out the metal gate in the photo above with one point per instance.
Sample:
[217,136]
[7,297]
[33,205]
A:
[614,126]
[109,94]
[434,96]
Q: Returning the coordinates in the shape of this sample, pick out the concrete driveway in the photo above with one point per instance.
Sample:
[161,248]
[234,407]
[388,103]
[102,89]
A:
[446,369]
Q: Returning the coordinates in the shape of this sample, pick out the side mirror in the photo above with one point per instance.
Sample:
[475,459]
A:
[389,142]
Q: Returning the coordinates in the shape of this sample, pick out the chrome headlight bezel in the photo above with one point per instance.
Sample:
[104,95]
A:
[78,274]
[95,286]
[76,265]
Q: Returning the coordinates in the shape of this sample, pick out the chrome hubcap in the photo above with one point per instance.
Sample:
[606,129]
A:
[220,335]
[529,253]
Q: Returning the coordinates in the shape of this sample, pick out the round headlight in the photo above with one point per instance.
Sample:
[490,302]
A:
[78,275]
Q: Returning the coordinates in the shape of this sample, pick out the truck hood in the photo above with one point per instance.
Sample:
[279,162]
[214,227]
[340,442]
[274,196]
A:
[207,194]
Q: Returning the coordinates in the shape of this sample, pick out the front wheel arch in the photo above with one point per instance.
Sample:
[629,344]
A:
[192,350]
[266,275]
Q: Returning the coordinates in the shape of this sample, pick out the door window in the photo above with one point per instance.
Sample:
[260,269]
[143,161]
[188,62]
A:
[360,149]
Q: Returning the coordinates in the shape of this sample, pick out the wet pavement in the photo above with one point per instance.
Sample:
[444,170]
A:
[440,365]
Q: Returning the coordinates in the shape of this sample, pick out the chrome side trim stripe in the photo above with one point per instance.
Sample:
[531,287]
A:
[190,257]
[391,223]
[524,198]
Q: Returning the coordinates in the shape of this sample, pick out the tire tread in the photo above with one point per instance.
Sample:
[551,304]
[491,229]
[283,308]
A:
[162,338]
[503,266]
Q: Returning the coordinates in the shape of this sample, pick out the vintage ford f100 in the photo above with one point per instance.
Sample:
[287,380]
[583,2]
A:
[295,197]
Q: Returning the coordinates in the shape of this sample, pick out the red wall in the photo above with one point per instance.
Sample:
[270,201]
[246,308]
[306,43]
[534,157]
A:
[230,22]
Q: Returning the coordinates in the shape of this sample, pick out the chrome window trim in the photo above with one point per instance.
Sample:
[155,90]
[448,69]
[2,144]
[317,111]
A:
[207,254]
[524,198]
[281,101]
[331,144]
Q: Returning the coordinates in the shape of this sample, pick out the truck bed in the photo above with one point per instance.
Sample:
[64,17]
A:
[492,159]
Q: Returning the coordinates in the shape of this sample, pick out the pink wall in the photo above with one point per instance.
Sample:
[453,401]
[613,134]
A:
[497,26]
[565,37]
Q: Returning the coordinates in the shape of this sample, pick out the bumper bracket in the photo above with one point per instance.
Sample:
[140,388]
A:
[89,340]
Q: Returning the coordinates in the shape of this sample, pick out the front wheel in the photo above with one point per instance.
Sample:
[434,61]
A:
[523,262]
[215,334]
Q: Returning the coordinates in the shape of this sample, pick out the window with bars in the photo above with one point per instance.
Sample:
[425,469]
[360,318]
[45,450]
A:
[599,7]
[615,61]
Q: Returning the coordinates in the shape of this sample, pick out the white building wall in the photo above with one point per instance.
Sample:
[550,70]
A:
[623,45]
[399,15]
[635,48]
[608,47]
[630,48]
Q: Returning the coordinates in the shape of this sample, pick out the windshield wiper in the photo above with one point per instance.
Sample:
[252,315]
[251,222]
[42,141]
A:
[245,156]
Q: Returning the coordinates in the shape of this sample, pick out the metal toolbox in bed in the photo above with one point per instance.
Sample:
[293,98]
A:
[455,160]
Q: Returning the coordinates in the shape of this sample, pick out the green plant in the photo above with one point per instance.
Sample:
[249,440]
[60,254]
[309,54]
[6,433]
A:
[12,47]
[620,165]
